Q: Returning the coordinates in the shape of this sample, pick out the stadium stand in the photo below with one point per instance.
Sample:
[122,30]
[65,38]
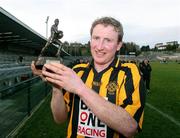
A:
[20,91]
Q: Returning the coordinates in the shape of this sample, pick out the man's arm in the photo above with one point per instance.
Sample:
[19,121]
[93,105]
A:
[58,106]
[114,116]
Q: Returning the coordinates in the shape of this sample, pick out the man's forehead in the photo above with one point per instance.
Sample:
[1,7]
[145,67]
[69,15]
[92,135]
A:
[111,27]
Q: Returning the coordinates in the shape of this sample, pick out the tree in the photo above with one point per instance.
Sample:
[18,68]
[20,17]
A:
[129,47]
[145,48]
[172,47]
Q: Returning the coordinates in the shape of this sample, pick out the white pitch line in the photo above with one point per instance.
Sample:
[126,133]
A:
[164,114]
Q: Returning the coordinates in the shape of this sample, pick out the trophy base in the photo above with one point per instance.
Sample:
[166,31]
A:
[39,66]
[39,63]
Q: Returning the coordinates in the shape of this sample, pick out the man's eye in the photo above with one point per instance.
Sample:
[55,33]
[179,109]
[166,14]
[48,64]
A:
[108,40]
[95,38]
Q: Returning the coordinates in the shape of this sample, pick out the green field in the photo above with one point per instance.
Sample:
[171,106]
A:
[162,111]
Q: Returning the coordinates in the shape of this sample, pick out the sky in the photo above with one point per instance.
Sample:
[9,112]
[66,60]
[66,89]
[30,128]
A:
[145,22]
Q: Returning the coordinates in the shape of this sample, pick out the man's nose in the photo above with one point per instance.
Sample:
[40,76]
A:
[100,45]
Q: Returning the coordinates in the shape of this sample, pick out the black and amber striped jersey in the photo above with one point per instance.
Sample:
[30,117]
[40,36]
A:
[120,84]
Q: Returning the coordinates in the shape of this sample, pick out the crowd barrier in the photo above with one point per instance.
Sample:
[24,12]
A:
[18,102]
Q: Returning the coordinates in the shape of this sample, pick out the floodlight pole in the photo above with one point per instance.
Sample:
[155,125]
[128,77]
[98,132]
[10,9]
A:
[47,19]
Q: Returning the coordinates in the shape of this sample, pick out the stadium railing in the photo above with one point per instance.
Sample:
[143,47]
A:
[17,102]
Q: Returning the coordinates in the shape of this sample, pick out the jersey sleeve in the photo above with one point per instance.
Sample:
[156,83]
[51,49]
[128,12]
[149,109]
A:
[132,93]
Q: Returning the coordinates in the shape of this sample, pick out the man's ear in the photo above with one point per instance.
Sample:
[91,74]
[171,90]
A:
[119,45]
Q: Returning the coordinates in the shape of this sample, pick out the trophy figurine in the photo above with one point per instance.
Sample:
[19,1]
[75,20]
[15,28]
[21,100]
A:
[53,40]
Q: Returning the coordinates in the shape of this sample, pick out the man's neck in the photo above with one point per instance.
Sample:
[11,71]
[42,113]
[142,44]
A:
[101,67]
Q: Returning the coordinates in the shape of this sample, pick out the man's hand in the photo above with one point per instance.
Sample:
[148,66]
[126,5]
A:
[63,76]
[34,70]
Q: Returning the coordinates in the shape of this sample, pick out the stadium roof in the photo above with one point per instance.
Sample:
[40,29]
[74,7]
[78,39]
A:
[14,33]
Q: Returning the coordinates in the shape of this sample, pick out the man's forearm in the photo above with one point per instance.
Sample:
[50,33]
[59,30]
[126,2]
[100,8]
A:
[114,116]
[58,106]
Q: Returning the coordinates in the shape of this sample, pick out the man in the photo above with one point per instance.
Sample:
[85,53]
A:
[104,98]
[146,69]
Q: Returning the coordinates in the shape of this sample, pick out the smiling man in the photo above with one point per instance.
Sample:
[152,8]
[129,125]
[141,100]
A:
[103,98]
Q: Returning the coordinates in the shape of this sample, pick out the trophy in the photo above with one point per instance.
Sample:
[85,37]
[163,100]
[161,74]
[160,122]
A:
[52,41]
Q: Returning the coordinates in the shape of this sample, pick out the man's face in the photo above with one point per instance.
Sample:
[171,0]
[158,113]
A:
[104,44]
[146,61]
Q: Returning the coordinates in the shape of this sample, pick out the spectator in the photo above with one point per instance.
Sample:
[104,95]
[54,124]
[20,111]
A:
[146,69]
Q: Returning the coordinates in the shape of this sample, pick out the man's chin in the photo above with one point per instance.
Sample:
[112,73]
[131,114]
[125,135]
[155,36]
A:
[100,57]
[100,62]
